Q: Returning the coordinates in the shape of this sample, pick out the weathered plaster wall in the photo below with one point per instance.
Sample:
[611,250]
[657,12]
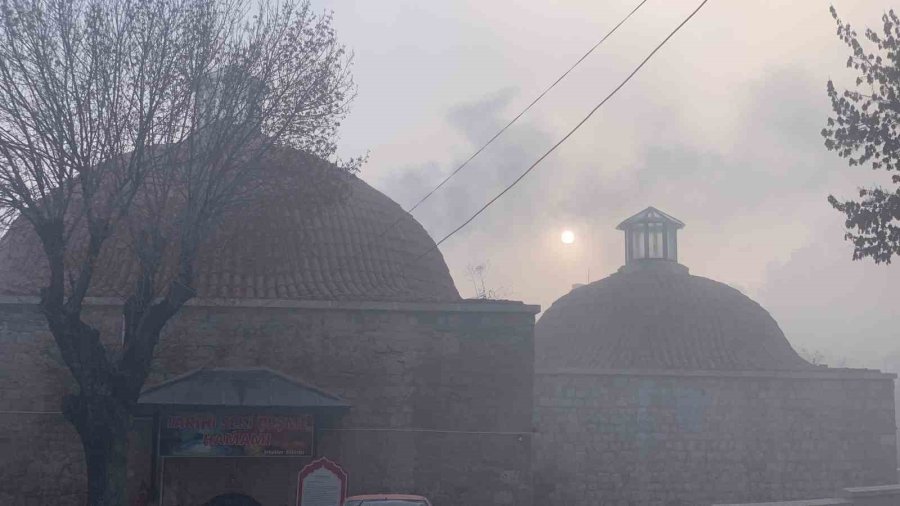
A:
[442,397]
[691,439]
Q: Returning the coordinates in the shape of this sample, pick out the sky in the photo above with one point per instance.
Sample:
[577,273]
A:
[720,129]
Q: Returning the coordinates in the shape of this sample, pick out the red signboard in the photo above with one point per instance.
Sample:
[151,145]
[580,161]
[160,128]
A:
[235,435]
[321,483]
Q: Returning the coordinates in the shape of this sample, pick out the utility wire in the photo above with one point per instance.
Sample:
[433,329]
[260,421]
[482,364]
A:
[572,131]
[516,118]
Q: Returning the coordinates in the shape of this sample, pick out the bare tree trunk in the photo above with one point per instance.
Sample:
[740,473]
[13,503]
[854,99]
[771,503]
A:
[102,424]
[90,145]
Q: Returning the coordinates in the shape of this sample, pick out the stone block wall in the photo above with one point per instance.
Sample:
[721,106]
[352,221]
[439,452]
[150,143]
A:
[40,454]
[441,395]
[883,495]
[697,438]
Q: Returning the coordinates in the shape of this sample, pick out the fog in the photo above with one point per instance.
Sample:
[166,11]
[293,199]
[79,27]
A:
[721,130]
[289,361]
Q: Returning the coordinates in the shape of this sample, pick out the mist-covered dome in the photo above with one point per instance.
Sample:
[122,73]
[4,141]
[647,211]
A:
[661,317]
[365,247]
[653,314]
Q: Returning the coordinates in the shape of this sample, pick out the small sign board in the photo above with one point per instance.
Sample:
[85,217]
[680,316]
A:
[235,435]
[321,483]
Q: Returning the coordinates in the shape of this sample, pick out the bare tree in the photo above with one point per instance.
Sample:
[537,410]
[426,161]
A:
[817,357]
[814,357]
[148,119]
[477,274]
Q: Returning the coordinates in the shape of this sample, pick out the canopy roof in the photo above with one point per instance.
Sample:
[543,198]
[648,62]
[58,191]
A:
[651,215]
[251,387]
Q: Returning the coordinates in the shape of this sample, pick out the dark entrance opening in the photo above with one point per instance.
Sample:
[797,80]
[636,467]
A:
[232,500]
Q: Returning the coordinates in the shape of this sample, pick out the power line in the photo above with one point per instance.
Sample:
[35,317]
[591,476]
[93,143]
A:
[536,100]
[572,131]
[516,118]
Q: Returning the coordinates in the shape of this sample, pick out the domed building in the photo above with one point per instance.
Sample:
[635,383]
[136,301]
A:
[655,386]
[316,234]
[340,322]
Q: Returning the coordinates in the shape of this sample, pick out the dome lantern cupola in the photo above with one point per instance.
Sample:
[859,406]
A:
[650,235]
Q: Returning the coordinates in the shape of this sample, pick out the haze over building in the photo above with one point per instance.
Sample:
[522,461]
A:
[654,386]
[330,325]
[318,334]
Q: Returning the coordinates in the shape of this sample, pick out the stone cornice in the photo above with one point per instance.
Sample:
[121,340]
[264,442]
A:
[462,306]
[823,373]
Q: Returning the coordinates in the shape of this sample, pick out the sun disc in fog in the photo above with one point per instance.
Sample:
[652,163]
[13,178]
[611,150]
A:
[567,237]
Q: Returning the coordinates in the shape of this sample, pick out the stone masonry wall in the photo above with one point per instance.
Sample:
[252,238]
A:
[40,454]
[442,397]
[694,439]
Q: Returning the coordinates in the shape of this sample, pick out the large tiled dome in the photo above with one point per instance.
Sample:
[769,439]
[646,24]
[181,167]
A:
[653,314]
[658,316]
[364,248]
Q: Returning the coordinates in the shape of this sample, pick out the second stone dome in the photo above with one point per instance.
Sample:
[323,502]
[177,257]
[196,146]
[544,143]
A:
[653,314]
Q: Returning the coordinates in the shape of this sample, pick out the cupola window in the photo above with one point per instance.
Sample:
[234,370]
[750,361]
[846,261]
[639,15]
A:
[651,235]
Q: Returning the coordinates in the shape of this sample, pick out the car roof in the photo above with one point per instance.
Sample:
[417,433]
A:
[370,497]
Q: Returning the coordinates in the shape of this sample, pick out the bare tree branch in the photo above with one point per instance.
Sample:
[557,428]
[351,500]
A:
[139,124]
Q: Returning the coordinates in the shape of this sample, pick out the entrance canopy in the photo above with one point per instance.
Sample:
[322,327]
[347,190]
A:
[239,387]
